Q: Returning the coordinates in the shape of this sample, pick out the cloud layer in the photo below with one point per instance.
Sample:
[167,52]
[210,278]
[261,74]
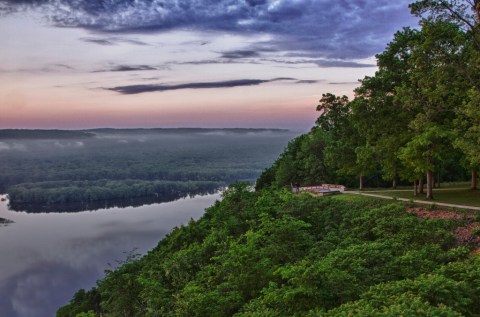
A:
[127,68]
[329,29]
[138,89]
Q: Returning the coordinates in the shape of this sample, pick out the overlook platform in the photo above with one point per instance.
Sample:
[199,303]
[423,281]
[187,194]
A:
[322,190]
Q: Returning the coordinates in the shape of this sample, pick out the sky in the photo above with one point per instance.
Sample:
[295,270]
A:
[185,63]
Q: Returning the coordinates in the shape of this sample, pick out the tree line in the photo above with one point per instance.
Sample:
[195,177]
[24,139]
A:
[417,118]
[74,173]
[54,195]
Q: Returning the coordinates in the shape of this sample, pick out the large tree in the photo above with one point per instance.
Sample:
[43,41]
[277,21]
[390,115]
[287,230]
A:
[465,14]
[433,91]
[347,152]
[468,133]
[383,122]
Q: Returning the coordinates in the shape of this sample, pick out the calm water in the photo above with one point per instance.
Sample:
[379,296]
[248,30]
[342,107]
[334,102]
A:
[46,257]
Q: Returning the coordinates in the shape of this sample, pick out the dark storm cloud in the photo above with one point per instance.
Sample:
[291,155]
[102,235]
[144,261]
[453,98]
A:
[216,61]
[129,68]
[63,66]
[111,40]
[126,68]
[49,68]
[28,2]
[135,42]
[329,29]
[249,57]
[345,83]
[324,63]
[195,43]
[307,81]
[97,41]
[340,63]
[147,78]
[282,79]
[138,89]
[240,54]
[256,2]
[12,6]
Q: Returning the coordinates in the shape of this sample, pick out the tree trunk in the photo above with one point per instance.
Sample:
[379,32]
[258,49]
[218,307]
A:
[438,180]
[474,180]
[430,181]
[415,188]
[361,182]
[394,183]
[477,10]
[420,186]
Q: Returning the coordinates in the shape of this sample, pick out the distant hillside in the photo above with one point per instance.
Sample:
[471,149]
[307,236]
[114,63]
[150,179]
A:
[143,156]
[43,134]
[181,130]
[37,134]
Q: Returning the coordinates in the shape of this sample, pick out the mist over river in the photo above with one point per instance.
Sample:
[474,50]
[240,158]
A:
[46,257]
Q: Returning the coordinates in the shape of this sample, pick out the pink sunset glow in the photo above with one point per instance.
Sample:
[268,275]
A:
[75,77]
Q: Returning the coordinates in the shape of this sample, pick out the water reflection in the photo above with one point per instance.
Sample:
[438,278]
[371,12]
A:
[111,203]
[47,257]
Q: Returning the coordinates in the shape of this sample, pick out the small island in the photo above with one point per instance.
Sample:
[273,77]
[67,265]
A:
[5,222]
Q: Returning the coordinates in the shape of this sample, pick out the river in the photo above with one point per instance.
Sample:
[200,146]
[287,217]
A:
[46,257]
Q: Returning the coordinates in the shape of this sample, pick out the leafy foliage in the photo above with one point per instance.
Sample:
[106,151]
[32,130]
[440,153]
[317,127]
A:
[416,116]
[272,253]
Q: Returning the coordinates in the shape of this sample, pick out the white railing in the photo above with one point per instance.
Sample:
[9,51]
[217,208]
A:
[324,188]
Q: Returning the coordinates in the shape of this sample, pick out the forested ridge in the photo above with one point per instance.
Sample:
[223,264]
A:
[269,252]
[45,170]
[16,134]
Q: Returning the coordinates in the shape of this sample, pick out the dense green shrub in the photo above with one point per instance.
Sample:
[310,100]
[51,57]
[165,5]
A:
[272,253]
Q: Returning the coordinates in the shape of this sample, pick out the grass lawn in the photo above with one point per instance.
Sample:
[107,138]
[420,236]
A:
[352,198]
[460,196]
[410,187]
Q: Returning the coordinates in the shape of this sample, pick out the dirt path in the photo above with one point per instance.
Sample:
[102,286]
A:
[415,201]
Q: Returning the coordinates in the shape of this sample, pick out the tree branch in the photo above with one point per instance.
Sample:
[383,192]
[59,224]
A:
[472,27]
[457,15]
[477,11]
